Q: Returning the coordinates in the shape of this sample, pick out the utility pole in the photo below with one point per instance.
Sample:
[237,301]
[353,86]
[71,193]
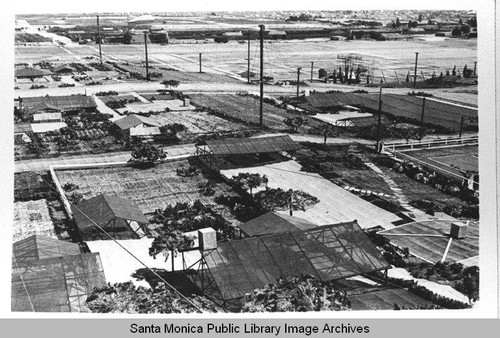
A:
[99,38]
[200,63]
[415,75]
[291,202]
[248,59]
[422,120]
[461,126]
[379,121]
[312,70]
[261,36]
[298,80]
[146,49]
[475,65]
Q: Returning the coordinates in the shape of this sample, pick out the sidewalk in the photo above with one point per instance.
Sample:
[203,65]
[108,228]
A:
[122,156]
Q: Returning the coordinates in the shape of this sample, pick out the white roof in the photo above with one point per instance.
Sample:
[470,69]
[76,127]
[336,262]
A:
[47,116]
[45,127]
[145,131]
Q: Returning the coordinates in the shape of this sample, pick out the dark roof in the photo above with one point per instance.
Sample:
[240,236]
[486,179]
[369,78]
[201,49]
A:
[272,223]
[327,253]
[40,247]
[63,68]
[245,74]
[429,239]
[31,72]
[254,145]
[436,112]
[133,120]
[22,128]
[67,102]
[60,284]
[102,209]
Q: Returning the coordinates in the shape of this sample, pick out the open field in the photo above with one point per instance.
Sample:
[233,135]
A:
[454,159]
[198,122]
[335,204]
[282,58]
[151,189]
[244,108]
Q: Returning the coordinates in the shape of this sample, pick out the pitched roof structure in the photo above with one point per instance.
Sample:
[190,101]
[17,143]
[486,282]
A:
[41,247]
[133,120]
[256,145]
[31,72]
[103,209]
[58,284]
[272,223]
[65,103]
[327,253]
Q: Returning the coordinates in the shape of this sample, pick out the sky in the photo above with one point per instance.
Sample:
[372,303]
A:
[57,6]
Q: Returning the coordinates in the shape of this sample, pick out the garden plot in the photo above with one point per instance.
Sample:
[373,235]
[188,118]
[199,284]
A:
[197,122]
[335,204]
[155,106]
[151,189]
[246,109]
[32,218]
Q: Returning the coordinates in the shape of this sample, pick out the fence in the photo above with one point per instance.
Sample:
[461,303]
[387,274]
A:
[440,143]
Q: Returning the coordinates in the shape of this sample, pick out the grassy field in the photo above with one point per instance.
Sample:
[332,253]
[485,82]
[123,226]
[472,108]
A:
[244,108]
[453,159]
[151,189]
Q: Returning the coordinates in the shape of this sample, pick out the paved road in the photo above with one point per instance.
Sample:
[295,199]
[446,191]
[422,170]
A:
[123,156]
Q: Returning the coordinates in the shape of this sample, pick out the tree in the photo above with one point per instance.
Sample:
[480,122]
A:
[465,29]
[473,22]
[170,241]
[147,154]
[295,122]
[398,23]
[249,181]
[420,17]
[327,130]
[296,294]
[170,83]
[456,32]
[127,298]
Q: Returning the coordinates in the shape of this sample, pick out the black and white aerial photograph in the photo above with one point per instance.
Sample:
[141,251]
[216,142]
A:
[226,161]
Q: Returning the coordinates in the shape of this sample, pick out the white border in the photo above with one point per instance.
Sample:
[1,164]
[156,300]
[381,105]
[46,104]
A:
[486,57]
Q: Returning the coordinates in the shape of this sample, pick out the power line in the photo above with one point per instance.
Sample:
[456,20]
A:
[24,284]
[126,250]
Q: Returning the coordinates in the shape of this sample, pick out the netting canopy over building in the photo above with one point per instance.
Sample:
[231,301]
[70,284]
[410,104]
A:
[272,223]
[40,247]
[113,214]
[52,276]
[244,146]
[327,253]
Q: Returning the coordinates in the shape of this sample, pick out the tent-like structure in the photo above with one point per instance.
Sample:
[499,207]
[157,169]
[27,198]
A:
[209,150]
[328,252]
[119,217]
[49,275]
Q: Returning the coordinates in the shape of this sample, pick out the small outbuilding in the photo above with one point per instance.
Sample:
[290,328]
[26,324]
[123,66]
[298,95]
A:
[118,217]
[137,125]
